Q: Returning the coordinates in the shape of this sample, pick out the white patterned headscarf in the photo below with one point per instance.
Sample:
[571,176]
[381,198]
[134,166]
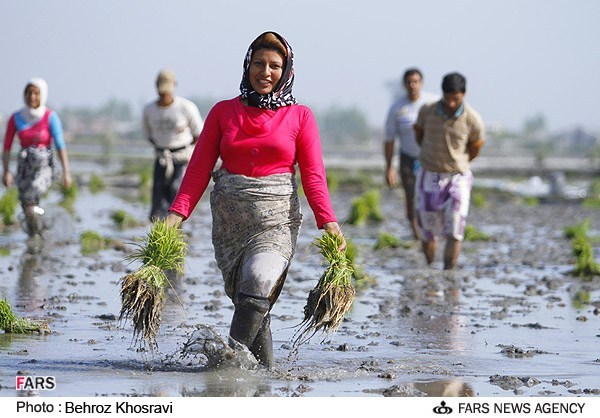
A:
[33,115]
[282,93]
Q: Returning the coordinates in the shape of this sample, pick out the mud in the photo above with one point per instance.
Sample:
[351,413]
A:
[510,320]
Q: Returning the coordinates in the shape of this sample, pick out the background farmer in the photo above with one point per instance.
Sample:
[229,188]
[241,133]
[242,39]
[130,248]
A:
[399,125]
[172,125]
[37,128]
[450,133]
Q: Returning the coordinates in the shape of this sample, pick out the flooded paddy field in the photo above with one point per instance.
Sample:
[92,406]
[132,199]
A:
[509,321]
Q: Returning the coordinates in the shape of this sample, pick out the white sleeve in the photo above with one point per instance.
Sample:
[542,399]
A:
[195,120]
[390,125]
[146,123]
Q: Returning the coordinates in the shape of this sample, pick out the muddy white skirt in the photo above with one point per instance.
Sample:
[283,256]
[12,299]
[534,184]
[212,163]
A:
[35,173]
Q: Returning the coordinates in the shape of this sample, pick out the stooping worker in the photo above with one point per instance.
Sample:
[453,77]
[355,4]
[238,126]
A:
[260,136]
[37,128]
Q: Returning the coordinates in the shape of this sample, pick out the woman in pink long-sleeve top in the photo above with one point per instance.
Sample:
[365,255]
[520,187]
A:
[260,137]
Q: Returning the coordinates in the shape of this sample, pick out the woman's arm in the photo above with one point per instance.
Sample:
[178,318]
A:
[197,174]
[11,129]
[314,179]
[64,160]
[7,177]
[56,131]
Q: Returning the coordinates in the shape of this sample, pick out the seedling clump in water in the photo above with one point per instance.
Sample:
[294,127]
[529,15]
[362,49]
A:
[585,266]
[8,206]
[11,323]
[366,208]
[143,291]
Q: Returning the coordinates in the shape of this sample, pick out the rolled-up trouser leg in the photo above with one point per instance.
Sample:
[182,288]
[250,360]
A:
[251,324]
[260,274]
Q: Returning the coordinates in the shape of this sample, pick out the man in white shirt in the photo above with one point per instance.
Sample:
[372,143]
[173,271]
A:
[399,124]
[172,124]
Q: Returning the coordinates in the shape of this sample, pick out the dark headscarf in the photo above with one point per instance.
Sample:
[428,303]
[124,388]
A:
[282,93]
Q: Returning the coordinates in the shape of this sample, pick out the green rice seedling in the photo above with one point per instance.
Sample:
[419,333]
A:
[581,298]
[580,229]
[333,181]
[143,291]
[92,242]
[386,240]
[594,190]
[474,234]
[8,206]
[591,203]
[123,220]
[361,280]
[530,200]
[69,196]
[360,180]
[366,208]
[359,213]
[373,199]
[478,200]
[13,324]
[333,295]
[585,266]
[96,184]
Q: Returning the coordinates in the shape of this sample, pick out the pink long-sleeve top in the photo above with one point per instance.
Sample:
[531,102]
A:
[258,142]
[38,134]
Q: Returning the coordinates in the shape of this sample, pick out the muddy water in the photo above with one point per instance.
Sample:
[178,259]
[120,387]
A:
[510,320]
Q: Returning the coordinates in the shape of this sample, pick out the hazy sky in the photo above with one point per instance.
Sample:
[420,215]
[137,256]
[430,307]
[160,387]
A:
[521,57]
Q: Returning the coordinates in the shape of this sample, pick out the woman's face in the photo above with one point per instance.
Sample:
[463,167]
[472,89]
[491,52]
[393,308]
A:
[32,96]
[266,68]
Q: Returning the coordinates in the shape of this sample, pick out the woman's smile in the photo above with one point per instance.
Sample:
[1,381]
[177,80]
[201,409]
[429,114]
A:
[266,69]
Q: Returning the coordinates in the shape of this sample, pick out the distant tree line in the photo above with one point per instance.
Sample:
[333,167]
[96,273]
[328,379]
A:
[337,124]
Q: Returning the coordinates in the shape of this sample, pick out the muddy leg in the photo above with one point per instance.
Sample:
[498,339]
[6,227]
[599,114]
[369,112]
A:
[248,318]
[451,253]
[33,220]
[429,248]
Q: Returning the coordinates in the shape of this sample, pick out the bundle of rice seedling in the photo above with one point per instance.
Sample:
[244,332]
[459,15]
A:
[69,195]
[362,280]
[143,291]
[11,323]
[333,295]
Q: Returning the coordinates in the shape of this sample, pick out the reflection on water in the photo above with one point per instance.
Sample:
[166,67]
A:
[433,305]
[441,388]
[30,293]
[230,383]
